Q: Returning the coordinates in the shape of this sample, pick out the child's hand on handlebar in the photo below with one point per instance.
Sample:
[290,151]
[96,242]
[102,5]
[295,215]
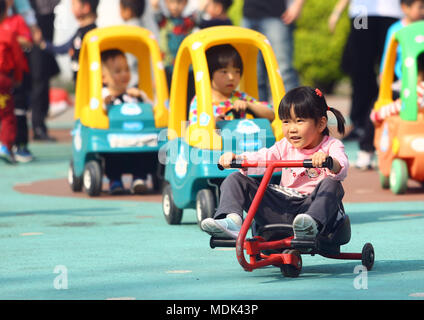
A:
[318,158]
[240,106]
[226,159]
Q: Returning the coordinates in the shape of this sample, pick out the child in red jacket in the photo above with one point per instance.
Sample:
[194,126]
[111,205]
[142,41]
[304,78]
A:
[21,94]
[12,65]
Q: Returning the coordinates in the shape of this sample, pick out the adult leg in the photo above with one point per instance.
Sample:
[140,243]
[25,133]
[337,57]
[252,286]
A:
[380,25]
[280,35]
[39,94]
[364,85]
[256,24]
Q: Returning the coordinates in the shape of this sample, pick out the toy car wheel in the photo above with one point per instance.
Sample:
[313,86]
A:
[157,182]
[368,256]
[384,181]
[74,182]
[205,205]
[398,176]
[172,213]
[289,270]
[92,178]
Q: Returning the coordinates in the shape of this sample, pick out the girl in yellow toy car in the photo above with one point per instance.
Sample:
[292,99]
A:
[226,68]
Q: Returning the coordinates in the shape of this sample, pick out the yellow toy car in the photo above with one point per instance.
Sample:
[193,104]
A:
[124,129]
[193,150]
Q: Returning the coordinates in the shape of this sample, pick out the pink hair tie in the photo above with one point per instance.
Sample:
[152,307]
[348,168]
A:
[318,92]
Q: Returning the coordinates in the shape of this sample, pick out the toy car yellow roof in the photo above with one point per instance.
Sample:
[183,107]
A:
[139,42]
[192,52]
[411,41]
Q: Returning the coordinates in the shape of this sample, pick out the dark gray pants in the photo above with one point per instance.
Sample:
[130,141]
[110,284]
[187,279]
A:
[323,204]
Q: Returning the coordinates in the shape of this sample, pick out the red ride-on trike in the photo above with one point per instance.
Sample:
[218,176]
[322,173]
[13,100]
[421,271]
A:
[275,244]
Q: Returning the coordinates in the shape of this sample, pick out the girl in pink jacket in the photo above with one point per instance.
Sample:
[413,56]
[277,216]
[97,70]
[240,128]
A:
[309,199]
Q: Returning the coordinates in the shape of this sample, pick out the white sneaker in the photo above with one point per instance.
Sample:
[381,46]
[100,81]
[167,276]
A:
[229,227]
[364,160]
[304,227]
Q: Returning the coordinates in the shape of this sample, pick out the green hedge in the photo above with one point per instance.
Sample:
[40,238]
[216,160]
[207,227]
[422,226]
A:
[318,52]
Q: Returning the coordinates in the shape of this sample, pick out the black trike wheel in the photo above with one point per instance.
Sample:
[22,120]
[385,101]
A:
[171,212]
[289,270]
[74,182]
[205,205]
[92,178]
[368,256]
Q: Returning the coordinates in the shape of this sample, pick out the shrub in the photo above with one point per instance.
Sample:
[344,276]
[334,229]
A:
[235,12]
[318,53]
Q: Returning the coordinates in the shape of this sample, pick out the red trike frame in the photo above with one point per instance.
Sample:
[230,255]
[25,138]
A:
[257,244]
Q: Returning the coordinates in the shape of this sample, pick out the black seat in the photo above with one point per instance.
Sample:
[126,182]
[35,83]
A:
[275,231]
[341,234]
[330,243]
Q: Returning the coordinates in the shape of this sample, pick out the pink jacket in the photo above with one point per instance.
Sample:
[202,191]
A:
[302,180]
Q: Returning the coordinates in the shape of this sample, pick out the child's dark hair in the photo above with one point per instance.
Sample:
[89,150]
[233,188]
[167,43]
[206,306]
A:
[309,103]
[226,4]
[136,6]
[220,56]
[110,54]
[409,2]
[93,5]
[420,62]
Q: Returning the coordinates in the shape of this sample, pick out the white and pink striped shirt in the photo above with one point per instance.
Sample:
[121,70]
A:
[303,180]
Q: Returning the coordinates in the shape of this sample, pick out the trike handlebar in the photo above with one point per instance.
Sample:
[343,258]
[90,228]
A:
[307,163]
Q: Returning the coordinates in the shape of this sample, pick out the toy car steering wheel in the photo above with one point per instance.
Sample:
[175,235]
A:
[237,114]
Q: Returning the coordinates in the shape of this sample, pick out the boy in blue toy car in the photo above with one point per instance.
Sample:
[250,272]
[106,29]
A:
[116,76]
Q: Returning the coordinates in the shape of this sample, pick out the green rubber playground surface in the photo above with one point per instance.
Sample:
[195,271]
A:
[79,248]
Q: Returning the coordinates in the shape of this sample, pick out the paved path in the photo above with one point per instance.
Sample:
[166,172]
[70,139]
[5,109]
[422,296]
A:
[122,248]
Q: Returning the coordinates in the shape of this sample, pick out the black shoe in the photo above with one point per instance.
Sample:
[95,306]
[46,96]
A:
[44,137]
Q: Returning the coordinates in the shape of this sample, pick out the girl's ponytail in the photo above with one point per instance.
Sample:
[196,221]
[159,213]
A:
[340,120]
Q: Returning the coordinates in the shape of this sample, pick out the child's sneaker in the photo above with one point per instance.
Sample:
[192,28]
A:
[305,227]
[116,187]
[223,228]
[364,160]
[139,186]
[22,154]
[6,155]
